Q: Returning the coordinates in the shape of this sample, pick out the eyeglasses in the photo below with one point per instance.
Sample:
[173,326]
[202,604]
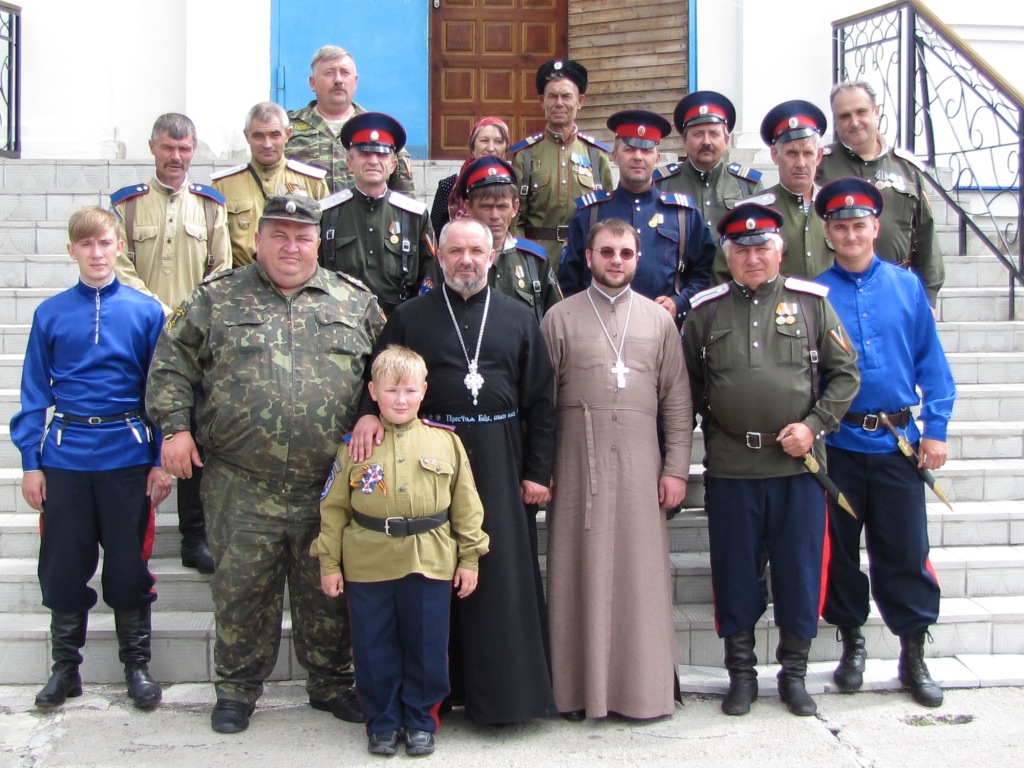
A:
[626,254]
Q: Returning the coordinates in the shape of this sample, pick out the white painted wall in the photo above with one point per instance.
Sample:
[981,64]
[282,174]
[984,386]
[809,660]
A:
[95,75]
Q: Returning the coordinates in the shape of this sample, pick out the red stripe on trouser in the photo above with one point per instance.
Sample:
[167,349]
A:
[826,555]
[147,542]
[928,566]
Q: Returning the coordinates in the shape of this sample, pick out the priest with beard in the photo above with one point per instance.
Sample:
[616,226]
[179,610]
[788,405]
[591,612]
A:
[489,379]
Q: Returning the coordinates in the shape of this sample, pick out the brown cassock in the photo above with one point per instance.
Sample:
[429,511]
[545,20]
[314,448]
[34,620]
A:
[609,579]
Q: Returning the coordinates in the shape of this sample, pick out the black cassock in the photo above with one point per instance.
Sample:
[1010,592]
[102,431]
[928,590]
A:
[498,649]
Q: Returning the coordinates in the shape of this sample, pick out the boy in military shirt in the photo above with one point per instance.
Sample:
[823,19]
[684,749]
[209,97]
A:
[400,525]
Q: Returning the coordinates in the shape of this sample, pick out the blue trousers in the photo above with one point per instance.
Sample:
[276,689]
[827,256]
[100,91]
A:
[400,649]
[888,494]
[83,511]
[786,514]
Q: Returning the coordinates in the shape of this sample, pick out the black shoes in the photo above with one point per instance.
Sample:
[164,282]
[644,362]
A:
[65,682]
[849,675]
[196,554]
[344,707]
[142,689]
[230,716]
[575,716]
[914,672]
[418,743]
[384,743]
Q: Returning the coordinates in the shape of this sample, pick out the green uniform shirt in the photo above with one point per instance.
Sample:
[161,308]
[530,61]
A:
[277,378]
[385,242]
[516,268]
[313,142]
[560,171]
[755,373]
[714,192]
[423,470]
[244,198]
[907,236]
[807,254]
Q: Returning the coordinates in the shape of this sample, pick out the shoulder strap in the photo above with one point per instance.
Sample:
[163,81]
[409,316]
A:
[256,178]
[211,214]
[705,336]
[129,227]
[534,278]
[593,151]
[811,321]
[681,257]
[524,189]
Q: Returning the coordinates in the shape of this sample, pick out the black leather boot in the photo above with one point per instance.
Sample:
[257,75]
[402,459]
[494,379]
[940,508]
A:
[195,553]
[67,636]
[849,675]
[792,655]
[134,633]
[741,662]
[914,672]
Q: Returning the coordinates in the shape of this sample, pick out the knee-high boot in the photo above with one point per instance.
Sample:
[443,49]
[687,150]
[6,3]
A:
[134,633]
[67,636]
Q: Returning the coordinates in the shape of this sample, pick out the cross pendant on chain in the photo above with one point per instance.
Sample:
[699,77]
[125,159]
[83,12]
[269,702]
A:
[620,370]
[473,381]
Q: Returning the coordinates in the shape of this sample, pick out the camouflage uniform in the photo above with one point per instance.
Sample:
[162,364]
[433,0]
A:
[714,192]
[278,381]
[244,197]
[313,142]
[521,270]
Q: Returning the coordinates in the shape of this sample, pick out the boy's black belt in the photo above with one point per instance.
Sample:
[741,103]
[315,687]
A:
[402,526]
[97,420]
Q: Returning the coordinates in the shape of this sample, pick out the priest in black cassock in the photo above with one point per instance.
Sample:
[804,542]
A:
[489,378]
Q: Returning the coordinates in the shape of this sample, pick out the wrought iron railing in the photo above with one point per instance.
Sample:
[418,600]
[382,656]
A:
[10,79]
[944,103]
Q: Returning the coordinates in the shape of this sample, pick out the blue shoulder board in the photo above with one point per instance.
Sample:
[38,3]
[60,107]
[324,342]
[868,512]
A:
[528,141]
[670,170]
[205,191]
[677,199]
[529,246]
[124,193]
[744,172]
[591,140]
[591,198]
[429,423]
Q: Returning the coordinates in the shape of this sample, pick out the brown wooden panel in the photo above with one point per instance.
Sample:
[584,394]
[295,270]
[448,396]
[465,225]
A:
[459,37]
[459,85]
[498,86]
[499,37]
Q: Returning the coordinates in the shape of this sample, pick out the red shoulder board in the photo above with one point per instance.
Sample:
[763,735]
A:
[430,423]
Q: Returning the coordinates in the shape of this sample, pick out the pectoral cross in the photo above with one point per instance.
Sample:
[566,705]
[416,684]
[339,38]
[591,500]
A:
[473,381]
[620,370]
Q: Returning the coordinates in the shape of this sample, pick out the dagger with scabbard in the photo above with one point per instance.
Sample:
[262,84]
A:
[814,467]
[908,450]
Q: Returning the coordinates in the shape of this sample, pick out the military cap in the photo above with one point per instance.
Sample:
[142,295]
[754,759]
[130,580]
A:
[848,198]
[792,120]
[373,132]
[486,170]
[303,209]
[639,128]
[704,107]
[559,69]
[750,224]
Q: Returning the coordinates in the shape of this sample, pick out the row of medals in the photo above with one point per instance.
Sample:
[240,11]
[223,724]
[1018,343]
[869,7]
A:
[785,313]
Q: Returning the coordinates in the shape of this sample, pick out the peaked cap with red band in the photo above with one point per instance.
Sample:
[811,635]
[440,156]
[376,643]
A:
[848,198]
[704,107]
[373,132]
[639,128]
[750,224]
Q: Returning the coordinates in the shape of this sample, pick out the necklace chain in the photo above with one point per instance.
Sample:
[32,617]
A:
[619,369]
[474,381]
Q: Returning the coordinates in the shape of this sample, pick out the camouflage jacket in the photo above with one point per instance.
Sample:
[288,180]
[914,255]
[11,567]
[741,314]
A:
[277,378]
[313,142]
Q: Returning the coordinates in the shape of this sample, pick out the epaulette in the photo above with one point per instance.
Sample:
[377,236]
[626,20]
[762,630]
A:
[708,294]
[909,157]
[591,140]
[531,247]
[592,198]
[766,198]
[228,171]
[827,150]
[354,280]
[806,286]
[336,199]
[306,170]
[527,142]
[670,170]
[677,199]
[218,275]
[744,172]
[126,193]
[204,191]
[399,200]
[430,423]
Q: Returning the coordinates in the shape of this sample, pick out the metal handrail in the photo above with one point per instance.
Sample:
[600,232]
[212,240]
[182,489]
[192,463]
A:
[10,80]
[949,107]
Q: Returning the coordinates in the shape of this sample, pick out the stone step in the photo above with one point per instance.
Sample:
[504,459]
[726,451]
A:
[976,269]
[56,270]
[17,305]
[989,402]
[995,336]
[986,367]
[978,304]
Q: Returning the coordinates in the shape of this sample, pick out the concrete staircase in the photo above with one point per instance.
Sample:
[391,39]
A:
[978,548]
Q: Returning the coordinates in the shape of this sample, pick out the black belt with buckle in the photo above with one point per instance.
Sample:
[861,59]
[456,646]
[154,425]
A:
[402,526]
[97,420]
[872,421]
[548,233]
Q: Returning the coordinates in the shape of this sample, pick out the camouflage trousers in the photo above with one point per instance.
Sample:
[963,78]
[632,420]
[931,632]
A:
[260,539]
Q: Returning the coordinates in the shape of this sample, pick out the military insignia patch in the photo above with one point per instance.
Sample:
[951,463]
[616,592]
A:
[335,468]
[373,475]
[839,337]
[172,321]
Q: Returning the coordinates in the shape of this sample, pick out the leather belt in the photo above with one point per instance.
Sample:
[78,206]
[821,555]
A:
[872,421]
[402,526]
[97,420]
[548,233]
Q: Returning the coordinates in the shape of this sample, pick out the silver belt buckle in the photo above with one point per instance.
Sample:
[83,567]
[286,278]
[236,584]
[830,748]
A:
[387,525]
[754,440]
[870,423]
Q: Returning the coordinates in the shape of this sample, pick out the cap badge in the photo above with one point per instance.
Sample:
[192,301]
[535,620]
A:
[558,65]
[848,200]
[793,122]
[751,224]
[492,171]
[703,109]
[290,206]
[374,135]
[641,130]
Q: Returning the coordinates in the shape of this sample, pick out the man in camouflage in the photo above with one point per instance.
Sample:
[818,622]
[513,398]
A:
[246,187]
[316,135]
[275,353]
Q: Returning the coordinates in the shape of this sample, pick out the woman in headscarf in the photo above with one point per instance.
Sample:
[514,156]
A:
[488,137]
